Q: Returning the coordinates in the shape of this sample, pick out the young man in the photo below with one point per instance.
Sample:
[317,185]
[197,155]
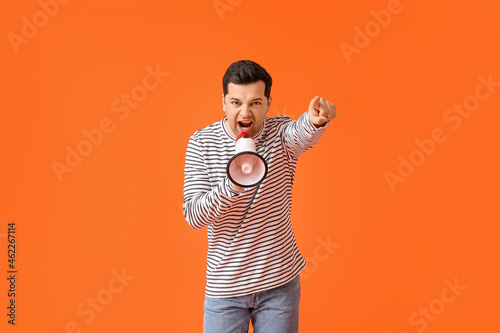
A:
[253,262]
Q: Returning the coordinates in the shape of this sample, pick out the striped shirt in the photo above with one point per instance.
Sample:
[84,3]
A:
[251,245]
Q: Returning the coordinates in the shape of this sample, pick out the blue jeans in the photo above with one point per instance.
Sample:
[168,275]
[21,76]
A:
[271,311]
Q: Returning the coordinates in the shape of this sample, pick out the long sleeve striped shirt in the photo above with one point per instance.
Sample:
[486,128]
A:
[251,244]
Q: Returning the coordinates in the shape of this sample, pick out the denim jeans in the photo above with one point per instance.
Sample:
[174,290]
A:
[271,311]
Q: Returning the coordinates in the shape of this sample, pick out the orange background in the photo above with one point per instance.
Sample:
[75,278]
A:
[120,208]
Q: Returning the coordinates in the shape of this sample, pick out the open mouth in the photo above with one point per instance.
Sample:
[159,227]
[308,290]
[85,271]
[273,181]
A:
[245,125]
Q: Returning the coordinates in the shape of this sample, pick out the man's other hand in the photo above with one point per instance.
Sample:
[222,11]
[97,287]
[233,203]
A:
[320,111]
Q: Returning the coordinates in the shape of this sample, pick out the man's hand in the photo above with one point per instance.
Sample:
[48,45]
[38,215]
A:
[237,187]
[320,111]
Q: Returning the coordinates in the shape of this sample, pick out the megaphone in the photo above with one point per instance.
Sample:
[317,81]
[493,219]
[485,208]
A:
[246,168]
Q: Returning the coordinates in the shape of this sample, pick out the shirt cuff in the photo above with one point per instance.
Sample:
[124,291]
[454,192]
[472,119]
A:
[311,125]
[232,189]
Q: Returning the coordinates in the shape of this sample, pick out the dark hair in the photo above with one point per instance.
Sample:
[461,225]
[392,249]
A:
[244,72]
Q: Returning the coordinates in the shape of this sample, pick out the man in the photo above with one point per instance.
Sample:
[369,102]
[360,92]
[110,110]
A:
[253,262]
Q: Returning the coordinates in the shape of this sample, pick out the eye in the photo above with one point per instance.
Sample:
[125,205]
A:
[235,103]
[257,103]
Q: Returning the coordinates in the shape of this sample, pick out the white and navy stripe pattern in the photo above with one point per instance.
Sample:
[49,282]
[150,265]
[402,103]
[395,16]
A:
[251,245]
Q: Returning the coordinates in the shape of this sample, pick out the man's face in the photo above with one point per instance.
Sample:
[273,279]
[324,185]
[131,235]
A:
[246,107]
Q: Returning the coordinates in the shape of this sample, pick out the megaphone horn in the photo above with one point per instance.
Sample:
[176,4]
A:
[246,168]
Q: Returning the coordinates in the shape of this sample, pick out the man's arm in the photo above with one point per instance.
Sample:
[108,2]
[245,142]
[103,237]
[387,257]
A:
[304,133]
[203,204]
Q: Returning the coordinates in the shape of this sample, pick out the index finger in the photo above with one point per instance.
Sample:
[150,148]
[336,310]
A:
[314,103]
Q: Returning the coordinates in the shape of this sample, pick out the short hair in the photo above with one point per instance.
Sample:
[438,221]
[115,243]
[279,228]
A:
[245,72]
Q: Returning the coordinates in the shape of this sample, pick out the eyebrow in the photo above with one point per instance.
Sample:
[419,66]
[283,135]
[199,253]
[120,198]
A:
[255,99]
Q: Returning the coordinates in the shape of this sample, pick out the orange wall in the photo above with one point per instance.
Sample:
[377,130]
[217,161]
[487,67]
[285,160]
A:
[403,185]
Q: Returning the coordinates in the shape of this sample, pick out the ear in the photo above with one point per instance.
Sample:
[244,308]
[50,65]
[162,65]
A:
[269,100]
[223,103]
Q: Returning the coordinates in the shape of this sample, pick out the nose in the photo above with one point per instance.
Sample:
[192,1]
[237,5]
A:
[245,111]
